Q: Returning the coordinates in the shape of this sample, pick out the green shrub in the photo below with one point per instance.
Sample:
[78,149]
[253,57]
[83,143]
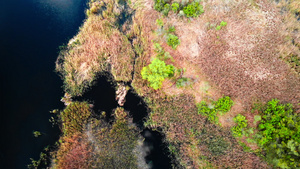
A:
[210,113]
[166,9]
[223,23]
[224,104]
[173,41]
[257,118]
[171,29]
[193,9]
[159,50]
[156,72]
[245,147]
[279,134]
[175,7]
[221,106]
[239,129]
[159,5]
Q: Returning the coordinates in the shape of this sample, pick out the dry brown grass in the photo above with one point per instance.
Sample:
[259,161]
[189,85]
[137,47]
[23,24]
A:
[295,6]
[98,47]
[241,60]
[73,152]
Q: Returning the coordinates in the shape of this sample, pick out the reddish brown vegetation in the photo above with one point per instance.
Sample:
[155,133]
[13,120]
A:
[243,58]
[73,153]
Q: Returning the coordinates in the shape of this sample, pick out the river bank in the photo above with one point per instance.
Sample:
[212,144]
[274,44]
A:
[183,62]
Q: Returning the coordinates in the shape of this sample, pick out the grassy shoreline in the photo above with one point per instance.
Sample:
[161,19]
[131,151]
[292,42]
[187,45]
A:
[251,58]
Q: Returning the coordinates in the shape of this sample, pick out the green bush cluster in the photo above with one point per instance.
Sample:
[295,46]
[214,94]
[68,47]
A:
[224,104]
[161,53]
[36,133]
[192,9]
[240,128]
[156,72]
[159,5]
[221,106]
[175,7]
[279,134]
[173,41]
[166,9]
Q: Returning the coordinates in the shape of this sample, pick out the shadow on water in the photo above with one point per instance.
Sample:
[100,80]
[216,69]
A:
[102,95]
[137,108]
[158,157]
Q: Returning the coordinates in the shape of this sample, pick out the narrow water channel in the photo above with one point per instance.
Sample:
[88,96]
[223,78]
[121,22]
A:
[102,96]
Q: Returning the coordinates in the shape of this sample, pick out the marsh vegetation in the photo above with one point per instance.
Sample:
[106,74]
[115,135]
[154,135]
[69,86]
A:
[200,77]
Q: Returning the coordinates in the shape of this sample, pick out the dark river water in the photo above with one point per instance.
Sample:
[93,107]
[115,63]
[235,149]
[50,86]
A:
[31,32]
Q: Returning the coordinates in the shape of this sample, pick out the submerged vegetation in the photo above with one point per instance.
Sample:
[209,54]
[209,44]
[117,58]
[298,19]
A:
[193,61]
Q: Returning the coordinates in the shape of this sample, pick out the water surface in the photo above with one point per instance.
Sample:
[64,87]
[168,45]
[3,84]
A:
[31,32]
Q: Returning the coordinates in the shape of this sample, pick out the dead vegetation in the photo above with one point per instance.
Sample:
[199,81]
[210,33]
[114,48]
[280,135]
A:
[252,59]
[98,47]
[73,152]
[242,60]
